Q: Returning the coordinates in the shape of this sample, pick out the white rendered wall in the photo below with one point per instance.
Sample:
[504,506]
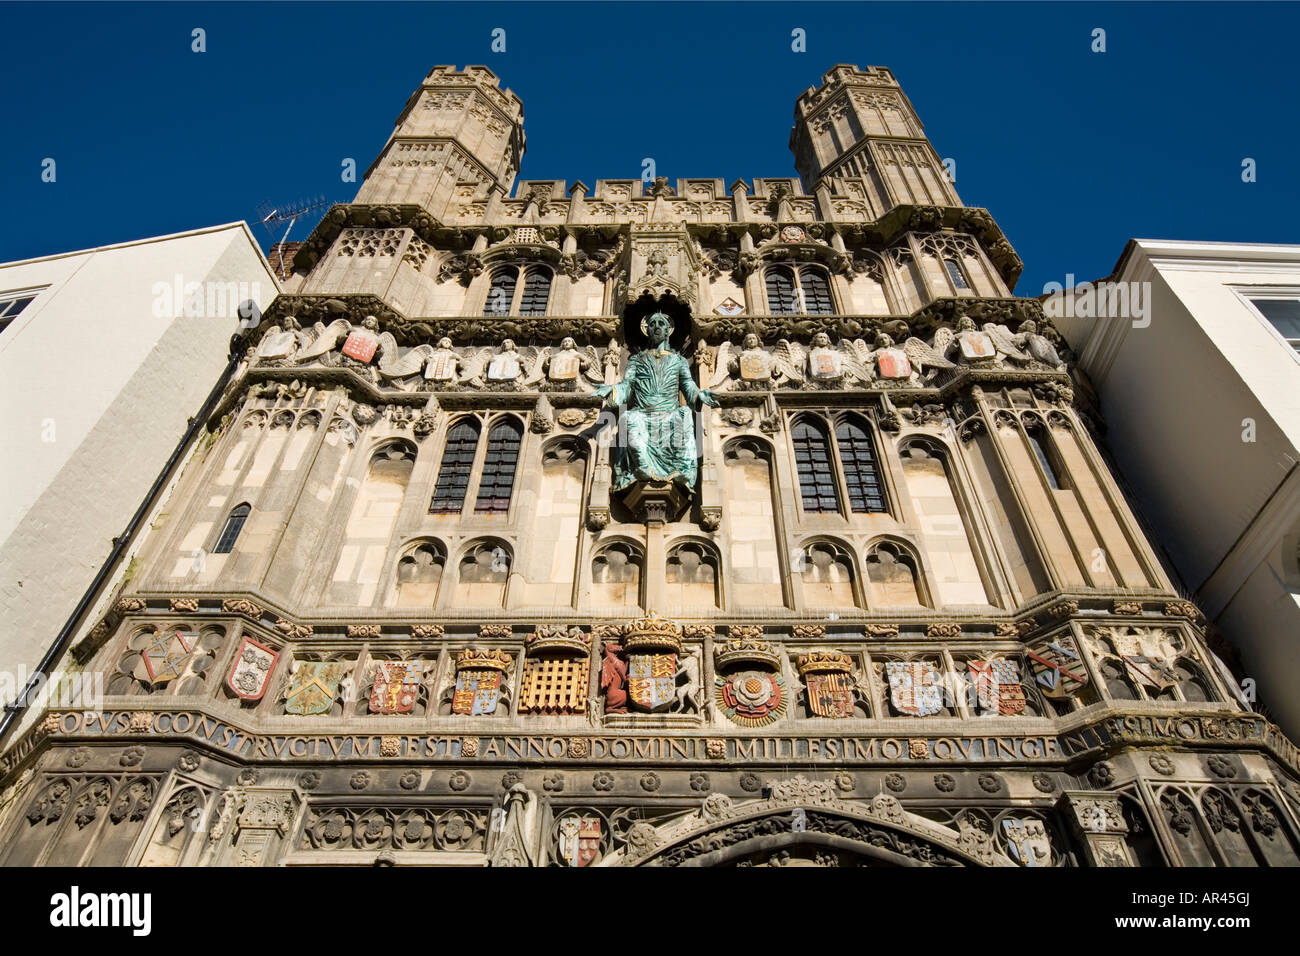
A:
[90,365]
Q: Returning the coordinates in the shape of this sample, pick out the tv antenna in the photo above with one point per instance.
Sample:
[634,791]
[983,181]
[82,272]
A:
[272,215]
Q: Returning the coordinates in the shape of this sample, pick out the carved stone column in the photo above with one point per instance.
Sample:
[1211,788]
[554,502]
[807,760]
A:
[1098,821]
[252,827]
[514,840]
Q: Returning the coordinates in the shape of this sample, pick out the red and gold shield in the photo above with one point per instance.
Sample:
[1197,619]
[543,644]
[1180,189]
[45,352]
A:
[360,345]
[997,686]
[395,687]
[651,680]
[830,694]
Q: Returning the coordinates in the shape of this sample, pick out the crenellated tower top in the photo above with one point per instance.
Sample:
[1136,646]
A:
[858,124]
[459,138]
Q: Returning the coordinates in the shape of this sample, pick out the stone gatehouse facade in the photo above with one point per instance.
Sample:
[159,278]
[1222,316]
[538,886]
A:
[400,608]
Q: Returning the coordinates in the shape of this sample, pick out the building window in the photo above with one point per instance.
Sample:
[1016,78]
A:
[805,292]
[457,465]
[815,453]
[11,303]
[956,274]
[1050,471]
[537,290]
[507,296]
[812,456]
[498,479]
[861,467]
[1283,315]
[780,291]
[816,291]
[501,294]
[230,533]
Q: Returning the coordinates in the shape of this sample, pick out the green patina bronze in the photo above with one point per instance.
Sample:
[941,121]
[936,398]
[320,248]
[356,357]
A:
[657,441]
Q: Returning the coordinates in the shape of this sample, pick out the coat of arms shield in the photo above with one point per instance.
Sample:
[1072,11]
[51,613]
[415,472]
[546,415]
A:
[361,345]
[477,692]
[976,346]
[652,680]
[251,672]
[563,367]
[579,840]
[915,687]
[1148,656]
[504,368]
[167,655]
[395,687]
[314,688]
[824,363]
[1027,841]
[893,363]
[997,686]
[755,366]
[441,366]
[1058,668]
[830,694]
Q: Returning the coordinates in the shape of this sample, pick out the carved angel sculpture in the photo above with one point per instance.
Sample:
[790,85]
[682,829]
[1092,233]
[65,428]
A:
[970,345]
[1006,343]
[280,344]
[891,363]
[1037,345]
[751,365]
[573,367]
[324,339]
[924,358]
[505,367]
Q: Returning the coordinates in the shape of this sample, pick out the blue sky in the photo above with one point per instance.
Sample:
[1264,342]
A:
[1072,151]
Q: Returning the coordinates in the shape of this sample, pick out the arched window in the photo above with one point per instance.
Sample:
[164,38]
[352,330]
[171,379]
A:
[419,573]
[827,572]
[861,467]
[501,294]
[812,456]
[498,480]
[230,533]
[891,577]
[816,291]
[507,296]
[616,575]
[1044,456]
[780,291]
[957,274]
[483,574]
[537,290]
[805,292]
[692,575]
[457,464]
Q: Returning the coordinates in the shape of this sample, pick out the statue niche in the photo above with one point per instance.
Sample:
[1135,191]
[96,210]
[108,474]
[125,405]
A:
[655,459]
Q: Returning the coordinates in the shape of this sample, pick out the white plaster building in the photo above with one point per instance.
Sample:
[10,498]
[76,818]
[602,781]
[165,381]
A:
[104,355]
[1200,390]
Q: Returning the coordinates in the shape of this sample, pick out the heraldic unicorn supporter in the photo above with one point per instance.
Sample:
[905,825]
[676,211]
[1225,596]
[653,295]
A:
[707,521]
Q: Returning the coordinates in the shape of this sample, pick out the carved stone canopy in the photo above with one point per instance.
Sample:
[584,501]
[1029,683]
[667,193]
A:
[656,502]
